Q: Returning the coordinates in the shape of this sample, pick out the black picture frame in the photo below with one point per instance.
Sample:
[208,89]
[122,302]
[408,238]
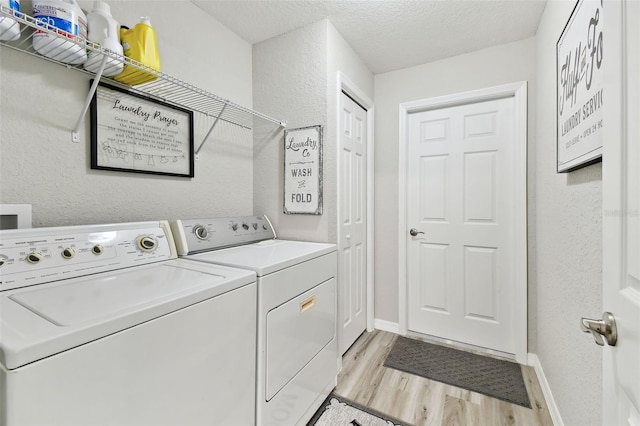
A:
[137,134]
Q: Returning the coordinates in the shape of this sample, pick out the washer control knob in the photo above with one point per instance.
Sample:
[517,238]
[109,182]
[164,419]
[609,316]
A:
[146,243]
[255,226]
[234,226]
[264,227]
[68,253]
[34,257]
[97,249]
[3,260]
[201,232]
[245,226]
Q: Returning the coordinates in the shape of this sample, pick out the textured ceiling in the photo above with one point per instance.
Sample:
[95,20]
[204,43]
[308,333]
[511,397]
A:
[388,34]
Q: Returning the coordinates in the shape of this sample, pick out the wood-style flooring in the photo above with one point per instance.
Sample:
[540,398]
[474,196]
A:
[419,401]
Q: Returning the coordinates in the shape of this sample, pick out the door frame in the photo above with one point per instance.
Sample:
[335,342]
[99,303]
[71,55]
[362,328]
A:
[620,81]
[519,92]
[346,85]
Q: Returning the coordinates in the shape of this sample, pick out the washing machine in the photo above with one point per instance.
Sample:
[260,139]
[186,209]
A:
[103,324]
[297,359]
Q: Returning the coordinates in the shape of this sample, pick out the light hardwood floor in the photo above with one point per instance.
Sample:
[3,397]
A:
[419,401]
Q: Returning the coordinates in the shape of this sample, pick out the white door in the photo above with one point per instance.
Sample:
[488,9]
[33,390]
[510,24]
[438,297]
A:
[621,213]
[352,263]
[460,200]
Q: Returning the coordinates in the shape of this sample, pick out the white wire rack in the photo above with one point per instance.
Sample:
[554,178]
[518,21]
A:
[165,88]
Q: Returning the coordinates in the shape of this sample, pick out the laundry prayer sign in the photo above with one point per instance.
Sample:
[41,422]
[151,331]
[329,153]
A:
[134,133]
[580,81]
[303,170]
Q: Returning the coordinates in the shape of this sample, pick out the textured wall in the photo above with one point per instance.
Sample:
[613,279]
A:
[295,79]
[569,250]
[290,83]
[40,102]
[495,66]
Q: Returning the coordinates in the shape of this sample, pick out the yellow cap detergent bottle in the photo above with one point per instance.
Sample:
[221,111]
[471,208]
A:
[140,45]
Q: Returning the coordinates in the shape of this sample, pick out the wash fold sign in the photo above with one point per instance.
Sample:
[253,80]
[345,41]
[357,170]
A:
[303,170]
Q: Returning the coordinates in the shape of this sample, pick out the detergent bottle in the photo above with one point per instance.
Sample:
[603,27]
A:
[67,19]
[9,28]
[104,31]
[139,44]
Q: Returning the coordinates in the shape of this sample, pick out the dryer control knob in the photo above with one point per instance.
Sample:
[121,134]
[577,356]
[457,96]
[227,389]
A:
[234,226]
[3,260]
[34,257]
[146,243]
[245,226]
[97,249]
[201,232]
[68,253]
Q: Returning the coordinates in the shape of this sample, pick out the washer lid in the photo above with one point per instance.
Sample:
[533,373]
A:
[43,320]
[266,256]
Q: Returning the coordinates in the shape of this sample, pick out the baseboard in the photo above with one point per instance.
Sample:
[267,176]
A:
[534,362]
[391,327]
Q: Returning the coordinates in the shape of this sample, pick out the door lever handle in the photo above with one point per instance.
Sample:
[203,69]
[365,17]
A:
[414,232]
[606,327]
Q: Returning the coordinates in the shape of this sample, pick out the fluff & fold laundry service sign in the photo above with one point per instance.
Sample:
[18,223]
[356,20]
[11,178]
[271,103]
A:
[303,170]
[580,93]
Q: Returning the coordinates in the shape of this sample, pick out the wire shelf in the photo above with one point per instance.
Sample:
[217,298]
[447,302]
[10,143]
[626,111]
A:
[165,88]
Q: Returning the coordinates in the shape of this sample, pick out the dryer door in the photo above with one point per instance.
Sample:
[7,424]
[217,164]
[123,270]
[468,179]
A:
[296,332]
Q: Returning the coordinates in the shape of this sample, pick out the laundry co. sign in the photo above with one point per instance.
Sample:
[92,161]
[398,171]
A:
[580,93]
[303,170]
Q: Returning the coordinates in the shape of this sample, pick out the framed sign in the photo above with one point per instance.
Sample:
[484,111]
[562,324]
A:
[303,170]
[133,133]
[579,87]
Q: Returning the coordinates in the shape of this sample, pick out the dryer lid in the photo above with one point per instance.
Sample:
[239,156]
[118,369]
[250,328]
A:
[268,256]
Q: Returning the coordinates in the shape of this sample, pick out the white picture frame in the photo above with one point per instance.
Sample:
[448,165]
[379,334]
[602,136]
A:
[579,87]
[303,170]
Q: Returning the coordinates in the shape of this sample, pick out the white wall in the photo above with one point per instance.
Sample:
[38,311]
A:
[569,249]
[295,79]
[494,66]
[40,103]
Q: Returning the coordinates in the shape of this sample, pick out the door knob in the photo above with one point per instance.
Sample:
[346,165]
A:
[606,327]
[414,232]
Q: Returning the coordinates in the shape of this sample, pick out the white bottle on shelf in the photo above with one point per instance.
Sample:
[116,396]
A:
[66,18]
[105,31]
[9,28]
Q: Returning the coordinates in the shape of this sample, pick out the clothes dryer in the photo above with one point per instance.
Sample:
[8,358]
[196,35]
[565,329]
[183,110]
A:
[297,350]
